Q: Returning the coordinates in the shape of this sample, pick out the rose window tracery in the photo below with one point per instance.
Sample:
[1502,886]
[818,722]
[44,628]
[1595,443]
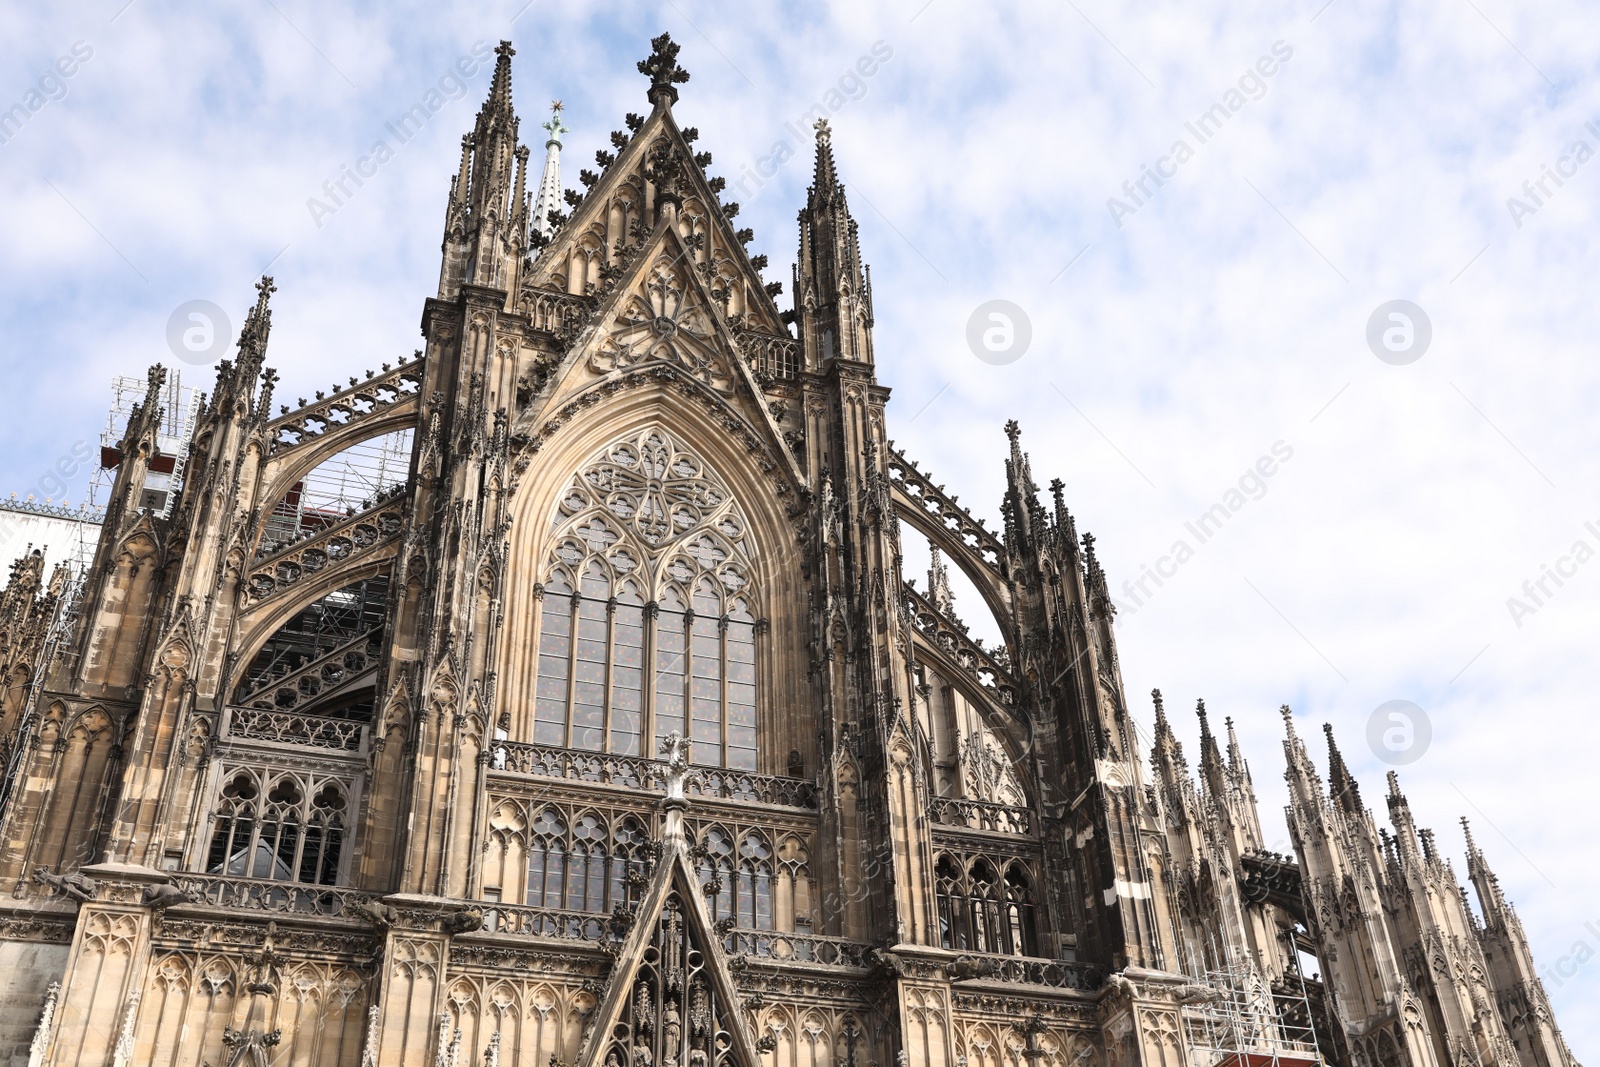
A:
[664,323]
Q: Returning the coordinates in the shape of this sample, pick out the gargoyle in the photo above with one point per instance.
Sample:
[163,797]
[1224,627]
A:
[1195,994]
[462,922]
[79,887]
[887,962]
[377,913]
[162,897]
[967,967]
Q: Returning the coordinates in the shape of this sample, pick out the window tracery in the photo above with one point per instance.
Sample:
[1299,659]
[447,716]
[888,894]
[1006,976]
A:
[582,864]
[287,828]
[985,907]
[648,617]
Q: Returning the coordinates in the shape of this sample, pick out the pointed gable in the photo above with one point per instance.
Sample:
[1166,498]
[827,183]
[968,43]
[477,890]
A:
[672,1001]
[662,314]
[654,167]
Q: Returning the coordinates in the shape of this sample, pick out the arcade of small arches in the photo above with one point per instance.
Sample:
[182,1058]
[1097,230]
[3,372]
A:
[584,859]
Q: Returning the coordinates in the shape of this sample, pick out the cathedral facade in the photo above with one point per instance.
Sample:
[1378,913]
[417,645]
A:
[612,735]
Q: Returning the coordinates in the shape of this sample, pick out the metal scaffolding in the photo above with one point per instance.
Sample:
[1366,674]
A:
[1251,1023]
[364,474]
[165,476]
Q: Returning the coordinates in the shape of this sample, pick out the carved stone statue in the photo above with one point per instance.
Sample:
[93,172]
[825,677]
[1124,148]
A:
[79,887]
[462,922]
[378,914]
[675,749]
[162,897]
[671,1033]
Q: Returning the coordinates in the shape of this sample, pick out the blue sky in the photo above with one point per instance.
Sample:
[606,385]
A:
[1227,313]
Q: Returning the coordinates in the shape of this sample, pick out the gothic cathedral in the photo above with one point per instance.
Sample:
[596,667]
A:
[610,734]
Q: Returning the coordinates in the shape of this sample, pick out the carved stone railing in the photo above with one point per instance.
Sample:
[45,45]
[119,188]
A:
[553,311]
[1058,974]
[287,728]
[387,499]
[647,775]
[801,948]
[257,894]
[356,537]
[338,667]
[777,356]
[519,921]
[346,407]
[944,633]
[980,815]
[918,492]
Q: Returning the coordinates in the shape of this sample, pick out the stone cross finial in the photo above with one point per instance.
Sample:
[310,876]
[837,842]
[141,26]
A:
[661,67]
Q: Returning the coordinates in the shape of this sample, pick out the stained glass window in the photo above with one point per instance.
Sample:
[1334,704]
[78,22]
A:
[647,624]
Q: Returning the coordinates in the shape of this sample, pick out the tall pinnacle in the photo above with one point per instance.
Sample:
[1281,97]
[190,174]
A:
[939,583]
[486,224]
[500,87]
[1343,789]
[1162,726]
[549,195]
[257,326]
[833,291]
[825,177]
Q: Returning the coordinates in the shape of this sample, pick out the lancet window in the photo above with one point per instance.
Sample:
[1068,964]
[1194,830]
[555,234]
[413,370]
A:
[648,618]
[285,828]
[582,864]
[741,872]
[984,907]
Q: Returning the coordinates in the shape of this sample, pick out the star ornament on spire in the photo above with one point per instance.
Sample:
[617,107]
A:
[663,71]
[555,126]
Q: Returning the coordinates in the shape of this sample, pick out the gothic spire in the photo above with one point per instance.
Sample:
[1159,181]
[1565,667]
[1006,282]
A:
[1022,501]
[1343,789]
[1490,897]
[939,583]
[1237,767]
[549,195]
[1212,770]
[833,291]
[486,224]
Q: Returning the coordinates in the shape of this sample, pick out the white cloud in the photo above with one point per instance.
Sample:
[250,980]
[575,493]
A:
[1206,328]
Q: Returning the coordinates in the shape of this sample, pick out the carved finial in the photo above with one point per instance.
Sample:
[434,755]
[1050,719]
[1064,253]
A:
[661,67]
[555,126]
[1288,719]
[1472,846]
[1013,431]
[824,132]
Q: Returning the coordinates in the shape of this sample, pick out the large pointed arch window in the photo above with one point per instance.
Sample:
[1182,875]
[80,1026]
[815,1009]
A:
[648,617]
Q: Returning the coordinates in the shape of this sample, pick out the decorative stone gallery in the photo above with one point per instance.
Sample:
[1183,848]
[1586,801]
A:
[612,734]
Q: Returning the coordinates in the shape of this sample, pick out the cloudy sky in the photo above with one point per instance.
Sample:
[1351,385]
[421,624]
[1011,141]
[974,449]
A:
[1178,335]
